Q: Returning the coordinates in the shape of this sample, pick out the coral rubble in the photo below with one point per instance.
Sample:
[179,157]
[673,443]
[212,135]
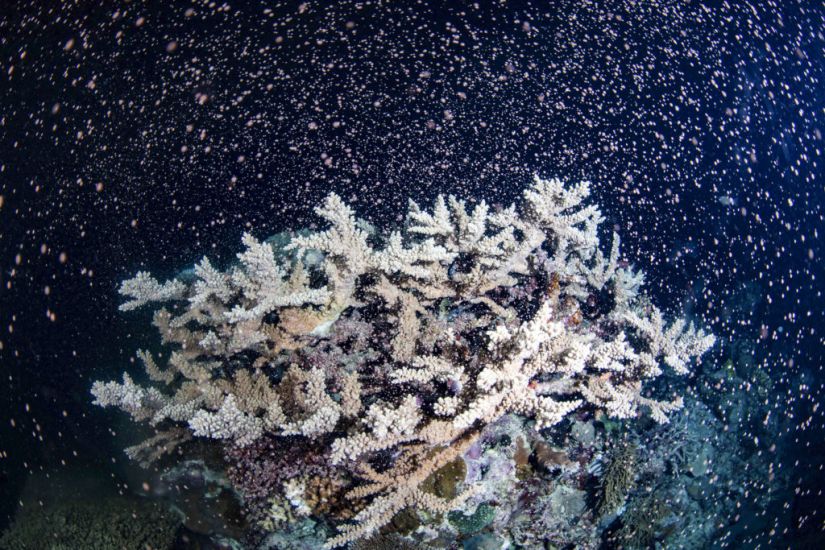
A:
[384,356]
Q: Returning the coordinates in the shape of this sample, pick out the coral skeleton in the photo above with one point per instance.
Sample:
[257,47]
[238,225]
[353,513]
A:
[473,314]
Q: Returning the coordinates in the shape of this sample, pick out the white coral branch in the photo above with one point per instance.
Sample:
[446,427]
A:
[143,289]
[228,422]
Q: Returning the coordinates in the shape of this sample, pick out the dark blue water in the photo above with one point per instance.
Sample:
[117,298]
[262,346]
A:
[138,136]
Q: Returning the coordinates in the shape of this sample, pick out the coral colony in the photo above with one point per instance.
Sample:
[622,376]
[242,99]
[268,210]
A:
[343,370]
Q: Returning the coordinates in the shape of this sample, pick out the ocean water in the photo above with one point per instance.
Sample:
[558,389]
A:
[142,137]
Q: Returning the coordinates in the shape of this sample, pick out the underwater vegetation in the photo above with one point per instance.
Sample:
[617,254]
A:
[377,378]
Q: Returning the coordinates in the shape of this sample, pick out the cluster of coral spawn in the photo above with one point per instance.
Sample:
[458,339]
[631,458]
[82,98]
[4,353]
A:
[343,369]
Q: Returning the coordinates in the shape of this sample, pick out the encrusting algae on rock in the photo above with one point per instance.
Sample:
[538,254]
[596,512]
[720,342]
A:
[471,315]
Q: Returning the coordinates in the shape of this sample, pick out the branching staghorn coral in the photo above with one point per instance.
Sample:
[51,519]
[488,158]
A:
[453,349]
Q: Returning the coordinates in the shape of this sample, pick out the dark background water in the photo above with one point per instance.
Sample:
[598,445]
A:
[145,135]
